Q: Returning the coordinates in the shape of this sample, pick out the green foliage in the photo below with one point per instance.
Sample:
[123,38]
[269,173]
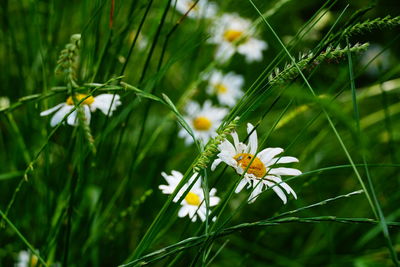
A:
[89,195]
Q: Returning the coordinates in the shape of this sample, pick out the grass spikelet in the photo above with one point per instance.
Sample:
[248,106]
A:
[371,25]
[211,148]
[67,63]
[291,72]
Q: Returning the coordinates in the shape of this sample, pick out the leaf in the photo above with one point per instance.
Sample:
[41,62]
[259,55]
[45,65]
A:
[180,118]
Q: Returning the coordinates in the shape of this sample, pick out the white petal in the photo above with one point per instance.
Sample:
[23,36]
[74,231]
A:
[173,179]
[86,110]
[72,118]
[215,164]
[107,103]
[256,192]
[277,190]
[284,171]
[281,160]
[166,189]
[59,115]
[235,139]
[224,52]
[202,213]
[240,186]
[213,191]
[228,160]
[51,110]
[183,212]
[242,148]
[214,201]
[253,142]
[178,175]
[197,184]
[267,154]
[227,147]
[285,186]
[192,211]
[280,193]
[23,257]
[252,49]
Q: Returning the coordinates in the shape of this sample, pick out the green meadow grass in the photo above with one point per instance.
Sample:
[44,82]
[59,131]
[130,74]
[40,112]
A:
[88,195]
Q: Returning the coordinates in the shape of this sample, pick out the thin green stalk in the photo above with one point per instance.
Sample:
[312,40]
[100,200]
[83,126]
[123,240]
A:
[20,235]
[382,220]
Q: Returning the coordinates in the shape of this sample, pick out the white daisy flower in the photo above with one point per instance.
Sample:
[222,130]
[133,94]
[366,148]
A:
[203,9]
[234,34]
[193,204]
[102,102]
[260,173]
[203,120]
[227,87]
[26,259]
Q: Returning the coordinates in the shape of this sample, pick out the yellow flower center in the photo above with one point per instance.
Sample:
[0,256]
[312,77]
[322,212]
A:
[33,261]
[257,167]
[202,123]
[221,89]
[232,35]
[79,97]
[192,199]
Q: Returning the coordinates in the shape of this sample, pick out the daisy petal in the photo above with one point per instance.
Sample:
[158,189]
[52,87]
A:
[177,175]
[214,201]
[256,192]
[60,114]
[235,139]
[215,164]
[202,213]
[227,147]
[253,142]
[165,189]
[281,160]
[284,171]
[240,186]
[86,110]
[51,110]
[285,186]
[72,118]
[192,211]
[107,103]
[182,212]
[269,153]
[280,193]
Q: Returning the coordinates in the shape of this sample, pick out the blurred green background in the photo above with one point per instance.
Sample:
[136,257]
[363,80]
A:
[107,224]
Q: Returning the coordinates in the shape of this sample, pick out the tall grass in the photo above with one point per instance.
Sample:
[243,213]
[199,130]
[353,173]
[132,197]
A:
[88,195]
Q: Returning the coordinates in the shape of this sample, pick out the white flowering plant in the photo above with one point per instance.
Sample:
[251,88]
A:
[199,133]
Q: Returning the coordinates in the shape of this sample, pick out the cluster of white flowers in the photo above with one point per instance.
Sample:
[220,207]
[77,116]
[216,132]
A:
[259,172]
[231,34]
[205,120]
